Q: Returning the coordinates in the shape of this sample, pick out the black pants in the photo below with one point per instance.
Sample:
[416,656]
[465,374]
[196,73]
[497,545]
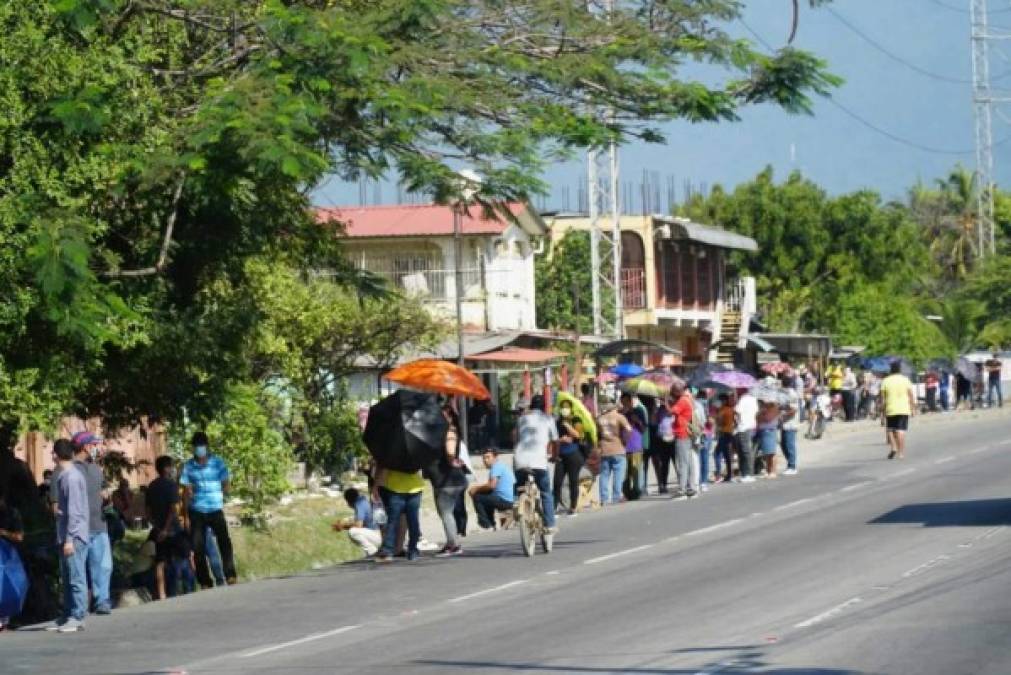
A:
[460,513]
[568,465]
[486,504]
[216,521]
[663,455]
[849,404]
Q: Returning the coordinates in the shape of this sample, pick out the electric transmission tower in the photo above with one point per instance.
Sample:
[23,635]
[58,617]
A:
[605,231]
[983,100]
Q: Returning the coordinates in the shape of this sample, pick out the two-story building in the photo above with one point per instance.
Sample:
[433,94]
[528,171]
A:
[677,288]
[413,247]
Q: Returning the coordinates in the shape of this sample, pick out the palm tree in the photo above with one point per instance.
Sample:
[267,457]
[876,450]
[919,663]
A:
[950,219]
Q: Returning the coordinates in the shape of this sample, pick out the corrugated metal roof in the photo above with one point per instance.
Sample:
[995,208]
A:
[427,220]
[682,228]
[517,355]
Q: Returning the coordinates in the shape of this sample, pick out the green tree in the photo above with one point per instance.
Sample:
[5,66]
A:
[150,149]
[563,275]
[950,220]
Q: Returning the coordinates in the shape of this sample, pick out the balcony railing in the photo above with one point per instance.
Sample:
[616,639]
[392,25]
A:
[633,288]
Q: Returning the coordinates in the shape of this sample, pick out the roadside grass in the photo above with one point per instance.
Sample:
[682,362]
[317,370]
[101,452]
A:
[297,538]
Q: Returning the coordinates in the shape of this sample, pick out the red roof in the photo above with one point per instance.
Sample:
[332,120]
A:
[518,355]
[419,220]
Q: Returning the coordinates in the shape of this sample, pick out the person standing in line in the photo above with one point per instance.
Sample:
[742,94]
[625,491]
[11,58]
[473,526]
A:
[612,429]
[587,398]
[789,424]
[570,456]
[745,415]
[205,479]
[993,368]
[72,536]
[496,494]
[945,390]
[87,446]
[849,391]
[768,424]
[449,481]
[632,487]
[536,443]
[686,459]
[900,404]
[725,424]
[663,442]
[172,550]
[705,448]
[400,492]
[835,376]
[12,534]
[931,382]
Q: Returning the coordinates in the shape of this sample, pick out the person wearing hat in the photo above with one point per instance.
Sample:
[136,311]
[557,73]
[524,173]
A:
[205,479]
[87,446]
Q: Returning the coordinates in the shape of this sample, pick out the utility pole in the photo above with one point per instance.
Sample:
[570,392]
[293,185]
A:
[577,375]
[983,101]
[605,229]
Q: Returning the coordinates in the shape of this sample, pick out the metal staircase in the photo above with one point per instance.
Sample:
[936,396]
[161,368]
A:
[730,329]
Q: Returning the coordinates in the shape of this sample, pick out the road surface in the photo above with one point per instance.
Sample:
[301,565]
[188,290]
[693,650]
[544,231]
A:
[857,565]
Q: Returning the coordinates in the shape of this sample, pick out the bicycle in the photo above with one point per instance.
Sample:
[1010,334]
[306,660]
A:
[528,513]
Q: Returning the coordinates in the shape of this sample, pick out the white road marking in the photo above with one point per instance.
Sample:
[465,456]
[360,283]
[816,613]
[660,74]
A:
[856,486]
[611,556]
[300,641]
[790,505]
[672,539]
[552,573]
[920,569]
[982,448]
[713,528]
[991,532]
[945,460]
[829,613]
[486,591]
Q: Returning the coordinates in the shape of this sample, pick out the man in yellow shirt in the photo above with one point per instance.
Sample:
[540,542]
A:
[899,399]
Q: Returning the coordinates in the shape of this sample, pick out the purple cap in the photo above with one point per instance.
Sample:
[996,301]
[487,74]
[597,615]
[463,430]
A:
[83,438]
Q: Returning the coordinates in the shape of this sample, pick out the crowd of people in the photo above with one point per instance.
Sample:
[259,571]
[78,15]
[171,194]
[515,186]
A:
[690,439]
[188,533]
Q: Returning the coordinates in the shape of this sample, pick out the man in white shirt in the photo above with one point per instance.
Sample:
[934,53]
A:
[746,414]
[536,437]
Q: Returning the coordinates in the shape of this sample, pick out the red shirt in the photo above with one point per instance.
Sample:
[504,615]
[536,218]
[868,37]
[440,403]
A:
[682,410]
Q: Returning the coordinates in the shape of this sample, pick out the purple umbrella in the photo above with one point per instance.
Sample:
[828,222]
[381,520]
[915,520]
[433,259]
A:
[662,378]
[735,379]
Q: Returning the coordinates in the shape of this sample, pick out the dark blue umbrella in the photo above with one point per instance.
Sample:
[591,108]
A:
[13,580]
[704,372]
[628,370]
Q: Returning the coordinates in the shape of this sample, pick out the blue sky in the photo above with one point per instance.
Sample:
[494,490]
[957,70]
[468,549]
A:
[831,147]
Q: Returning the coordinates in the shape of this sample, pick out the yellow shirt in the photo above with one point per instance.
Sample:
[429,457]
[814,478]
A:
[835,378]
[895,394]
[403,482]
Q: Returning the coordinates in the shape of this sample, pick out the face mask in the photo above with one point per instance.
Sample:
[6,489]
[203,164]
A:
[200,451]
[717,404]
[565,412]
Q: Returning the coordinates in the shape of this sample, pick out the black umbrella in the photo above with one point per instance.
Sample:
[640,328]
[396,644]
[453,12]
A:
[406,430]
[940,366]
[704,372]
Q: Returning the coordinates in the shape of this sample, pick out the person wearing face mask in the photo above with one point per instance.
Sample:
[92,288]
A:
[206,481]
[99,562]
[161,499]
[570,456]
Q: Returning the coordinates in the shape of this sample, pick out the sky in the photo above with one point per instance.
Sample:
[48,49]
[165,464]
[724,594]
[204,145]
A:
[920,94]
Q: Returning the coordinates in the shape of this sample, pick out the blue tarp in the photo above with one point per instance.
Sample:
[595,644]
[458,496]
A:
[13,580]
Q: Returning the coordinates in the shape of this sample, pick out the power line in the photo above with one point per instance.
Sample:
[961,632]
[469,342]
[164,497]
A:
[867,123]
[895,57]
[965,11]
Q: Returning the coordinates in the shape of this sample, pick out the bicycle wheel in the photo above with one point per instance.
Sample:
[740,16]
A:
[527,537]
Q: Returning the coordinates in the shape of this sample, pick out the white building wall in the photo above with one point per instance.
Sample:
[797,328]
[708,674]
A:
[509,270]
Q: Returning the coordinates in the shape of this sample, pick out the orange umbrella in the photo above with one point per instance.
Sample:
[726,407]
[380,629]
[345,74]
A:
[441,377]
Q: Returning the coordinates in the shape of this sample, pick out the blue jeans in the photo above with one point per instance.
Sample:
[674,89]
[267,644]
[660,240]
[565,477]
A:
[397,504]
[704,451]
[994,386]
[543,482]
[214,557]
[788,441]
[74,569]
[100,568]
[612,468]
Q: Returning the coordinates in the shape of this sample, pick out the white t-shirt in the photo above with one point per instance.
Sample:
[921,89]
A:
[746,409]
[534,431]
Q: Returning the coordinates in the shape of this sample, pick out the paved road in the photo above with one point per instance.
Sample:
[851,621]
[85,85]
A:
[858,565]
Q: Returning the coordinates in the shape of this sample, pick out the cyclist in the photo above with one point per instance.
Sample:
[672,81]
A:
[536,437]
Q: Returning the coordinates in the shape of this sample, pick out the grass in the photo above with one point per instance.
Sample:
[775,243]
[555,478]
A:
[297,538]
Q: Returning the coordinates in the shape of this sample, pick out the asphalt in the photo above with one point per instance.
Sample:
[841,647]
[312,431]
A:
[857,565]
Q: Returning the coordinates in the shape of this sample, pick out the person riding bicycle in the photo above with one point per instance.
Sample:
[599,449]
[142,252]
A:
[536,438]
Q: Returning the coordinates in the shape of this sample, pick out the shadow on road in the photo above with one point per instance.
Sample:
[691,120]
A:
[749,663]
[971,513]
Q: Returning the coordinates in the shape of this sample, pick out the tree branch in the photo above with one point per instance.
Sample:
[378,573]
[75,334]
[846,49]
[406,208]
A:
[166,243]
